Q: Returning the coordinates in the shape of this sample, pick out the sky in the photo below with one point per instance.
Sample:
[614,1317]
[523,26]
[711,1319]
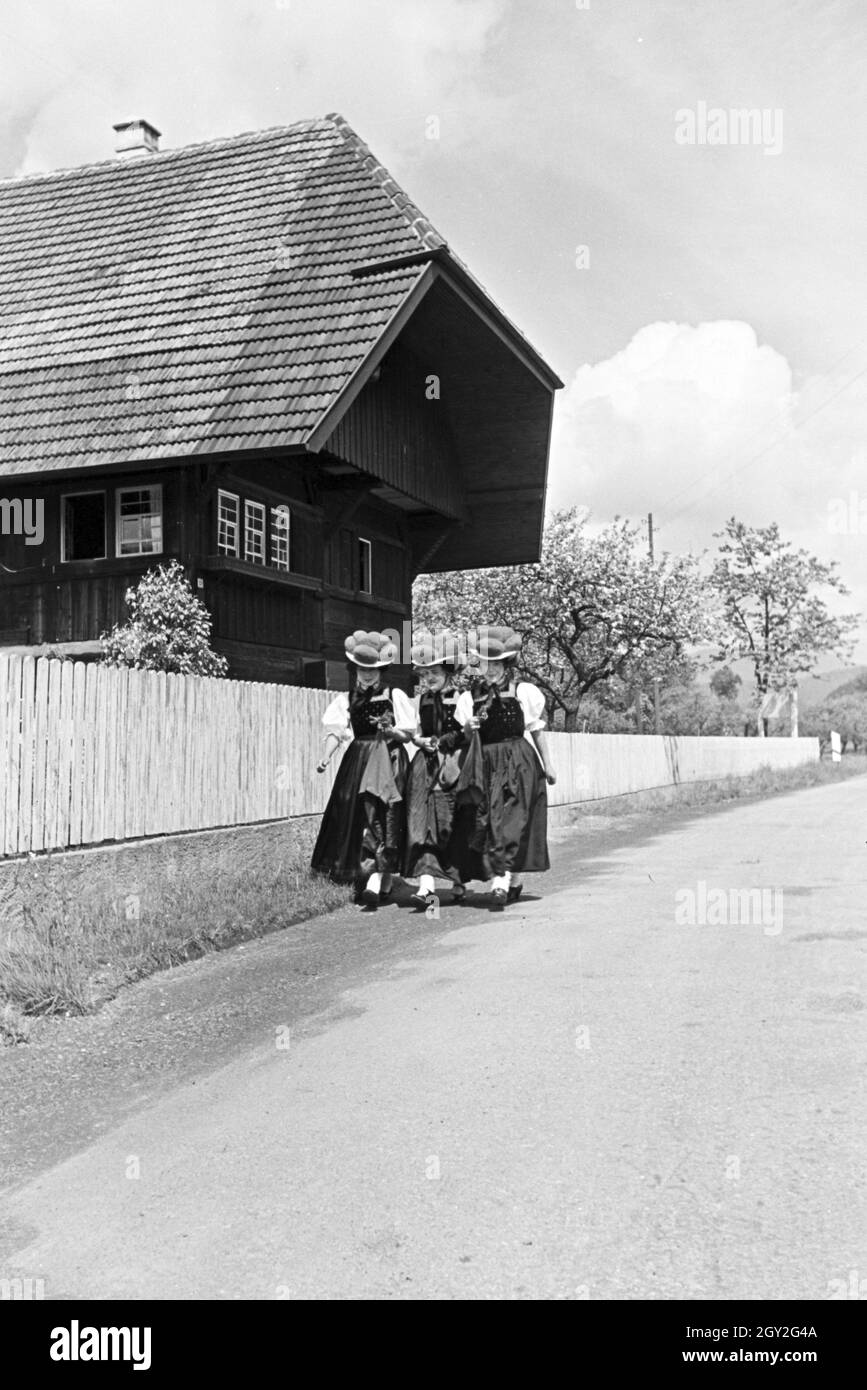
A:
[698,281]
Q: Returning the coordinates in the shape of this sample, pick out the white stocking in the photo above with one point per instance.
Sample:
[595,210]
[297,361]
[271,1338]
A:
[425,885]
[374,883]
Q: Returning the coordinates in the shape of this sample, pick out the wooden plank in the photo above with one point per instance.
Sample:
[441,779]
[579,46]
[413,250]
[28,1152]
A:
[10,754]
[65,755]
[37,741]
[6,744]
[79,752]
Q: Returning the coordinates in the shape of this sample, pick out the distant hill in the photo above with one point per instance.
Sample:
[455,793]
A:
[812,690]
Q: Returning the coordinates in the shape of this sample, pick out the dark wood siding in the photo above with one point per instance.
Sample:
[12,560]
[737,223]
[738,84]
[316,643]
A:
[400,436]
[269,624]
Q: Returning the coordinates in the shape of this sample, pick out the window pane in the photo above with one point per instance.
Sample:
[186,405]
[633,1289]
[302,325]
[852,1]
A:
[140,529]
[84,527]
[364,567]
[281,524]
[228,512]
[254,532]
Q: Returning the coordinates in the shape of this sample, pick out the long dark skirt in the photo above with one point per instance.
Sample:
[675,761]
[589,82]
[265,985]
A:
[361,834]
[438,829]
[513,824]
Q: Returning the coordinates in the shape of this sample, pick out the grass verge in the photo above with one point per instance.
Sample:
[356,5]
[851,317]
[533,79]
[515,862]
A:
[765,781]
[67,956]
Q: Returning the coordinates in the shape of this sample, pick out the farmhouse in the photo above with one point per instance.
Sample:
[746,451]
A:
[257,356]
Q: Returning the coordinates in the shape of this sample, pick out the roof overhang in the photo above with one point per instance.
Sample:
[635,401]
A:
[499,395]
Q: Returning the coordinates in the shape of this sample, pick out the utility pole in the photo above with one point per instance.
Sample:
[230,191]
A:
[657,712]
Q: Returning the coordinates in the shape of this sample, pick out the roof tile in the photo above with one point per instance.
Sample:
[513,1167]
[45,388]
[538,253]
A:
[199,299]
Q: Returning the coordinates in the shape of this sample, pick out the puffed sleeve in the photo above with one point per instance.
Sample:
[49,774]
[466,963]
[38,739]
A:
[464,707]
[405,717]
[335,720]
[532,702]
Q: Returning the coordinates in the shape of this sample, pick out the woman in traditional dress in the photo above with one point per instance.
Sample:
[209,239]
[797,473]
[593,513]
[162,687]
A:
[437,824]
[361,838]
[512,819]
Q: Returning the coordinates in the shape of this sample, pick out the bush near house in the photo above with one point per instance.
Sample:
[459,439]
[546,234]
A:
[169,629]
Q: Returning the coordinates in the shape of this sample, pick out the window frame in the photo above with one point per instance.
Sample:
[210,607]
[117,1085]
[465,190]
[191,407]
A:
[236,498]
[90,559]
[364,541]
[251,505]
[138,554]
[278,534]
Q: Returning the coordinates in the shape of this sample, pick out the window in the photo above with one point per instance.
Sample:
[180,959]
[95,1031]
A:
[139,520]
[254,532]
[228,521]
[83,526]
[281,524]
[365,578]
[262,537]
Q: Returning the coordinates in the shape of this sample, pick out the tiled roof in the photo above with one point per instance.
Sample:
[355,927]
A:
[197,300]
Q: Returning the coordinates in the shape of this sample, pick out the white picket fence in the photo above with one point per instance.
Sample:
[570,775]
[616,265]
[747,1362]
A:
[90,754]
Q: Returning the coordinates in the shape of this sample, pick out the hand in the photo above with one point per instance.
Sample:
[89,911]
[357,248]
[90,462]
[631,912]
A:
[550,777]
[321,766]
[472,724]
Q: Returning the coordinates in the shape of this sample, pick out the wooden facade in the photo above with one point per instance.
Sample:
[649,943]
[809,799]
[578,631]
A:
[306,407]
[278,624]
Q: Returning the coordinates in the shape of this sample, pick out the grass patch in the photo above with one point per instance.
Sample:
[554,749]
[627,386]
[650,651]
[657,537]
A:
[765,781]
[65,955]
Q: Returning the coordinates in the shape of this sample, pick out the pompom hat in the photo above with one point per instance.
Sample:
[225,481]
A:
[496,644]
[370,649]
[441,649]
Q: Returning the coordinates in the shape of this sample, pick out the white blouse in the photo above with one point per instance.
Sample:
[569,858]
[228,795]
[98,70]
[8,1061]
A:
[530,698]
[532,702]
[336,718]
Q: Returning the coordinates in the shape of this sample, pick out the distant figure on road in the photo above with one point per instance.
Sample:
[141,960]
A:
[361,838]
[511,823]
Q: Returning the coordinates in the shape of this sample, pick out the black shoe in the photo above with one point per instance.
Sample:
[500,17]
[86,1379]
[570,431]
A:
[369,899]
[422,901]
[499,898]
[515,893]
[459,895]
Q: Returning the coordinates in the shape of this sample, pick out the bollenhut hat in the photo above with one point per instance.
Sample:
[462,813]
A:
[496,644]
[370,649]
[439,649]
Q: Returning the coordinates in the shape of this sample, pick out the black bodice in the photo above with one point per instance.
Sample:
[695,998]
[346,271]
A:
[436,714]
[365,710]
[505,719]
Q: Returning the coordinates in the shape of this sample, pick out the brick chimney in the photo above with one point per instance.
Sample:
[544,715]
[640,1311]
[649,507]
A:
[136,138]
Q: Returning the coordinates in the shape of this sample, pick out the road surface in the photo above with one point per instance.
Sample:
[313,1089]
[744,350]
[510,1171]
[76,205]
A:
[611,1091]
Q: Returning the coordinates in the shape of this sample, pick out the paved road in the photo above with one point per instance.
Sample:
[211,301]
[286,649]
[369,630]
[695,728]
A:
[590,1096]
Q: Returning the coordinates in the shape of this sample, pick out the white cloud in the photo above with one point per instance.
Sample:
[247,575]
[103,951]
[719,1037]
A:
[678,404]
[209,68]
[699,423]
